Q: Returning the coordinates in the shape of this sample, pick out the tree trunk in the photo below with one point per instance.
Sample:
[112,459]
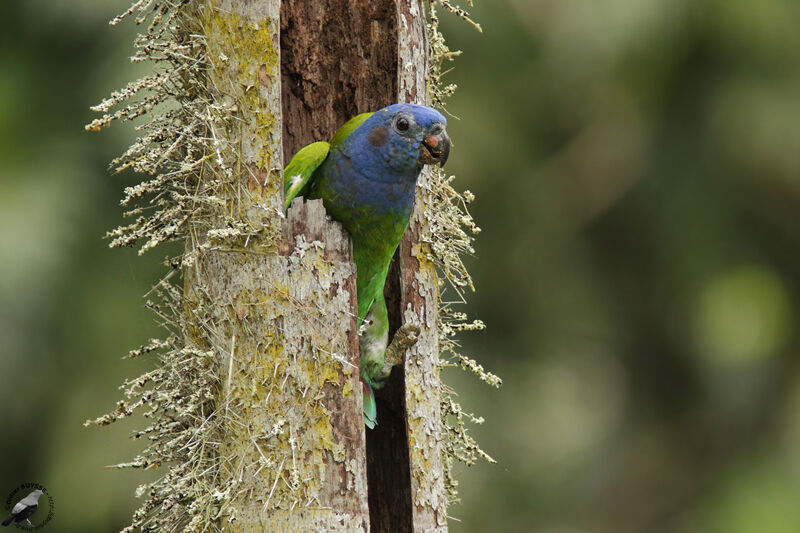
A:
[295,449]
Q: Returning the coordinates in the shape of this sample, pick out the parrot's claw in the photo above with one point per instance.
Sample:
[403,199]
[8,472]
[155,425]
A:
[404,338]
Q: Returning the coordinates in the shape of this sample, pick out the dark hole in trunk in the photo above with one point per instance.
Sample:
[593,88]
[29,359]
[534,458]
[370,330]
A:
[388,470]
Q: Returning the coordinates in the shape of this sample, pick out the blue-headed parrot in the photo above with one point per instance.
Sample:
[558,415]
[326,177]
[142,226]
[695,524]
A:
[366,176]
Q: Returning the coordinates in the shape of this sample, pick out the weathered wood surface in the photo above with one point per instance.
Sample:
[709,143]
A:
[290,388]
[243,53]
[419,301]
[278,309]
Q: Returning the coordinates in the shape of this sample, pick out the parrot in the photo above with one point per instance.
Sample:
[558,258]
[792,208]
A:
[366,177]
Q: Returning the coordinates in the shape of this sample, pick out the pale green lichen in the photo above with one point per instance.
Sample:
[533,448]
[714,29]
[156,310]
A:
[277,438]
[449,233]
[459,12]
[233,42]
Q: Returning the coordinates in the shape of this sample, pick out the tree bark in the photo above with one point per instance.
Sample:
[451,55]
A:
[294,439]
[419,299]
[295,451]
[282,312]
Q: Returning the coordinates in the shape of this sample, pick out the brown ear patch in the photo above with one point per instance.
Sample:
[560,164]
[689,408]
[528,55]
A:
[378,136]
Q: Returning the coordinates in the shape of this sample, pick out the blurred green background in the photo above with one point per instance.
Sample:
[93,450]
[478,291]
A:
[637,171]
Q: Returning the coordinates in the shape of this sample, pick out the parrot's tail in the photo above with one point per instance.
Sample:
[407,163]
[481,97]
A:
[370,408]
[8,520]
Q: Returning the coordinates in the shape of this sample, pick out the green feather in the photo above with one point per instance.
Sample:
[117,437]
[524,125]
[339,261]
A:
[298,172]
[347,128]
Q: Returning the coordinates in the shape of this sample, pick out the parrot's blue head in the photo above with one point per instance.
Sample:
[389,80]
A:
[395,142]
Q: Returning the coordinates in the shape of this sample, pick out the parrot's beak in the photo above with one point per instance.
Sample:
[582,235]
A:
[436,147]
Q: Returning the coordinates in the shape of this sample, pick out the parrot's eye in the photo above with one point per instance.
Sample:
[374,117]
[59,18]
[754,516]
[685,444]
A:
[402,124]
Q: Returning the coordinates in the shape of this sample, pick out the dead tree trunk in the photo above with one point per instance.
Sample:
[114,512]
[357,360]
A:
[283,325]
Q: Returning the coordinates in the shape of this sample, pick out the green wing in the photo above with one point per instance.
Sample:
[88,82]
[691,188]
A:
[301,168]
[298,172]
[348,127]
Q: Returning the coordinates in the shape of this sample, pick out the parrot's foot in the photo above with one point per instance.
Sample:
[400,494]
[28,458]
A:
[374,375]
[404,338]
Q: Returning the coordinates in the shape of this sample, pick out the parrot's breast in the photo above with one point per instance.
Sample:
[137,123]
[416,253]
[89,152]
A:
[374,212]
[366,206]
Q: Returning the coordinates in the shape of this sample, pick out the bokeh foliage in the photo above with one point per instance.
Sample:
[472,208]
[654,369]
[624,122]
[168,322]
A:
[636,165]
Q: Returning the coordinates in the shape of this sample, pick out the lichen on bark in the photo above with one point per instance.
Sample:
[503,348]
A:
[448,234]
